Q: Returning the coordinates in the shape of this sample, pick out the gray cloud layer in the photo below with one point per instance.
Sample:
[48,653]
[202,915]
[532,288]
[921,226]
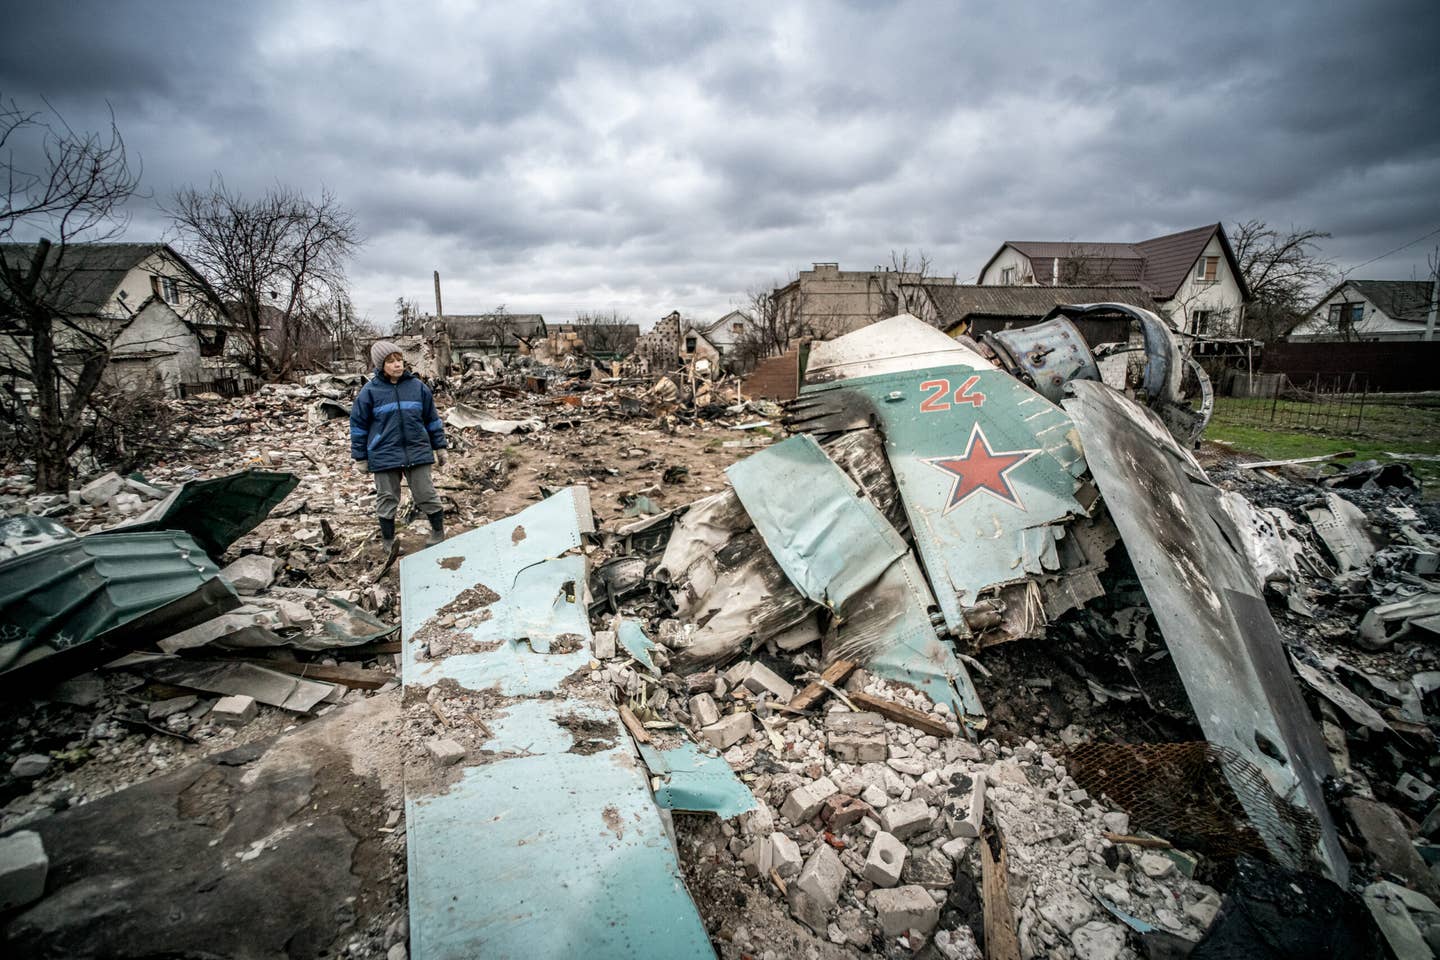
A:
[562,157]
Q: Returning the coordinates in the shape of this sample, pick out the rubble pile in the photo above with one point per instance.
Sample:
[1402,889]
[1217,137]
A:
[849,692]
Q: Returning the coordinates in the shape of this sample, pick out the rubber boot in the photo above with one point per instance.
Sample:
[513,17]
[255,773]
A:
[387,535]
[437,528]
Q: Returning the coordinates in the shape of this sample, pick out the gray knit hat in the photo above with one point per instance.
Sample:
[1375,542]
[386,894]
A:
[381,349]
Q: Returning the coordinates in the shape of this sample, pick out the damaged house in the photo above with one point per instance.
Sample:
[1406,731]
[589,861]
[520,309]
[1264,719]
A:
[165,323]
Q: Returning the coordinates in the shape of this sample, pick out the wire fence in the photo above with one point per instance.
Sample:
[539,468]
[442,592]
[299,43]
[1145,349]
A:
[1321,403]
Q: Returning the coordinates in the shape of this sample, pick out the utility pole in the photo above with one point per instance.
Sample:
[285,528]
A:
[439,313]
[1434,303]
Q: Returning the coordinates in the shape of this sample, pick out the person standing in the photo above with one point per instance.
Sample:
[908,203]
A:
[395,433]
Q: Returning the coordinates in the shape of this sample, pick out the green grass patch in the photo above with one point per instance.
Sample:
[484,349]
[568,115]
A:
[1383,428]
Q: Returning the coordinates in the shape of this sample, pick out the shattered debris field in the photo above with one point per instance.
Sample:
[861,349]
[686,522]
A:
[944,658]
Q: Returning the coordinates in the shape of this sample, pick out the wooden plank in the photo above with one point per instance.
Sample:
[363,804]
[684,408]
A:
[901,714]
[343,674]
[1152,842]
[1260,464]
[810,695]
[636,728]
[1001,941]
[366,650]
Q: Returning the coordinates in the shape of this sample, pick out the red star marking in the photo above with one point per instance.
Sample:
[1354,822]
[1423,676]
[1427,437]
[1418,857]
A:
[981,468]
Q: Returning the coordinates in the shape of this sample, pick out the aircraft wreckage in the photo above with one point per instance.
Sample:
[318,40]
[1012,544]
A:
[938,496]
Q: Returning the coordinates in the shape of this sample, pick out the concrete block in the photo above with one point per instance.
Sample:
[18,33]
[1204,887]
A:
[758,822]
[907,818]
[904,909]
[1155,866]
[1116,821]
[1415,788]
[251,573]
[804,802]
[822,877]
[930,869]
[23,867]
[737,673]
[445,751]
[604,644]
[102,488]
[885,860]
[963,814]
[761,678]
[703,710]
[784,855]
[855,737]
[729,730]
[235,710]
[758,858]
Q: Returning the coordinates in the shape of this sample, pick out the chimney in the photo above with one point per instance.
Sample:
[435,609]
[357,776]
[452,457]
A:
[439,313]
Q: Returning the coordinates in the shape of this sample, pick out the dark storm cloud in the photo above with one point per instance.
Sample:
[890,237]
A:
[566,156]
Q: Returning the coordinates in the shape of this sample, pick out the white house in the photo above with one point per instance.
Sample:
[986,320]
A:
[1366,310]
[725,334]
[1192,276]
[162,319]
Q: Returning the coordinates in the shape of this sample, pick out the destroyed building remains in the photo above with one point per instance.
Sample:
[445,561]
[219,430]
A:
[967,652]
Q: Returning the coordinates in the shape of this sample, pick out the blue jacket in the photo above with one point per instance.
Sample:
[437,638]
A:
[395,425]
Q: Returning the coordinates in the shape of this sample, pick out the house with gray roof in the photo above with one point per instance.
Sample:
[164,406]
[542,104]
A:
[1192,276]
[165,325]
[1368,310]
[970,309]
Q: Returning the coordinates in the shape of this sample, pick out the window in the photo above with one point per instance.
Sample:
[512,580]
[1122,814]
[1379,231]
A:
[737,328]
[1345,317]
[1207,269]
[169,290]
[1007,275]
[1200,322]
[689,344]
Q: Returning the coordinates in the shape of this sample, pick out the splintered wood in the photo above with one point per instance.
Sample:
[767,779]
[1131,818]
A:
[833,674]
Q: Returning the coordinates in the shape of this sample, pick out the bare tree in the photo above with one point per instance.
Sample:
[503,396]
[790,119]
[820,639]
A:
[907,289]
[776,318]
[407,315]
[606,334]
[1285,273]
[56,345]
[275,261]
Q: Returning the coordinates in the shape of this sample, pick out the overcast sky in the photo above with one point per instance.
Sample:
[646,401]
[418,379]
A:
[561,157]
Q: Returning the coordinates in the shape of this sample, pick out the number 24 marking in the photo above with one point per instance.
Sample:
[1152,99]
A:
[937,401]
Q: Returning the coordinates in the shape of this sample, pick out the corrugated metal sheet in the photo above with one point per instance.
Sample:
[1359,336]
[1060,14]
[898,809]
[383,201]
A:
[216,512]
[67,595]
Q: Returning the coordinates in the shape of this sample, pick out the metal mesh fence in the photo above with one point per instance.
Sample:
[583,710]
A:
[1323,403]
[1198,796]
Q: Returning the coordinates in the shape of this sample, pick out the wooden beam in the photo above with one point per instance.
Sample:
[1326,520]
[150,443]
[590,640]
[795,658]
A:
[900,713]
[1001,941]
[636,728]
[812,694]
[365,650]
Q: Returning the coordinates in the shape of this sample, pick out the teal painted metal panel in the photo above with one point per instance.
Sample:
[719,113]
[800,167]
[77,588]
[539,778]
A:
[631,638]
[549,850]
[66,595]
[830,541]
[982,461]
[695,782]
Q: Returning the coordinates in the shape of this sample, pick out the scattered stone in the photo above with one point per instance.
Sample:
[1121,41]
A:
[1098,940]
[1116,821]
[703,710]
[29,766]
[805,801]
[1067,910]
[445,751]
[886,860]
[904,909]
[603,642]
[235,710]
[784,855]
[397,952]
[729,730]
[875,796]
[1202,912]
[251,573]
[855,737]
[840,811]
[1156,866]
[101,489]
[23,867]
